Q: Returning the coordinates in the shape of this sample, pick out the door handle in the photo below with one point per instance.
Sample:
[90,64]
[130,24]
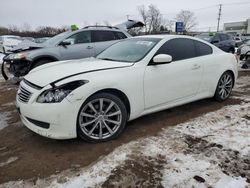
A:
[89,47]
[195,67]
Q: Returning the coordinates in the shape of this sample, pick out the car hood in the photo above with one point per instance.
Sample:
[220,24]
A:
[53,72]
[26,45]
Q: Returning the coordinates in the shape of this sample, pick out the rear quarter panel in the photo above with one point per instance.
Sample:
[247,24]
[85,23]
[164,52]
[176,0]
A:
[217,64]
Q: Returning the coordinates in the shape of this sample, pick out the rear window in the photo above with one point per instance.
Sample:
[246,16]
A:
[119,35]
[202,49]
[101,36]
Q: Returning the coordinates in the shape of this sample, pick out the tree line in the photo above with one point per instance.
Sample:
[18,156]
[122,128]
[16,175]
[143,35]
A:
[151,16]
[42,31]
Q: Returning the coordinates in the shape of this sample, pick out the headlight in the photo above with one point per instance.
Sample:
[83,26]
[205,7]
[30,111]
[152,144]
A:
[58,93]
[20,56]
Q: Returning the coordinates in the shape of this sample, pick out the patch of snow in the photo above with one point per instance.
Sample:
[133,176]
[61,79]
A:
[3,120]
[10,160]
[1,58]
[229,182]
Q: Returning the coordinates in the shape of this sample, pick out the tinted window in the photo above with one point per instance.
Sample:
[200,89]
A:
[202,49]
[179,49]
[119,35]
[81,37]
[216,38]
[224,37]
[100,36]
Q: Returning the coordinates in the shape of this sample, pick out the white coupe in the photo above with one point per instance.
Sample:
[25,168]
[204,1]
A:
[94,98]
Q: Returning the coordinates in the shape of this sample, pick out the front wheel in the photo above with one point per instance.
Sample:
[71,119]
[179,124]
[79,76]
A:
[224,87]
[101,118]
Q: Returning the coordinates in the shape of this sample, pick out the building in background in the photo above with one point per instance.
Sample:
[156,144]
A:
[242,28]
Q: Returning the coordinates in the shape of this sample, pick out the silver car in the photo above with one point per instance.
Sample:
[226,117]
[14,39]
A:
[86,42]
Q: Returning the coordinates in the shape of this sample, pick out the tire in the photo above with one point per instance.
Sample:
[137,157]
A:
[40,62]
[94,123]
[224,87]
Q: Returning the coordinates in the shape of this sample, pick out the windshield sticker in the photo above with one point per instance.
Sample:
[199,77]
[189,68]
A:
[146,43]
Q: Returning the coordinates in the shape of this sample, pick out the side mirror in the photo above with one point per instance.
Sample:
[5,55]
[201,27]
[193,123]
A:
[162,58]
[64,43]
[215,41]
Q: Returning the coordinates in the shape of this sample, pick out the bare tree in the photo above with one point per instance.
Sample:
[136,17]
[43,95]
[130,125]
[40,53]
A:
[155,18]
[188,19]
[144,15]
[13,28]
[25,27]
[151,17]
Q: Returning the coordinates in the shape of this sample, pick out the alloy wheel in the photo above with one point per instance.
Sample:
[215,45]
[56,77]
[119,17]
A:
[100,118]
[225,86]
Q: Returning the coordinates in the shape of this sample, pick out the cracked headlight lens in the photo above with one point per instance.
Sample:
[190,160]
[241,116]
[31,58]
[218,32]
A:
[58,93]
[20,56]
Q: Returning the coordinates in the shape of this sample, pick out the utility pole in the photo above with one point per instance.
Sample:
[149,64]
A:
[127,16]
[219,16]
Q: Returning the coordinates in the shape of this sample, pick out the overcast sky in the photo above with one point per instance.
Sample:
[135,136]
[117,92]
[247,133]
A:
[82,12]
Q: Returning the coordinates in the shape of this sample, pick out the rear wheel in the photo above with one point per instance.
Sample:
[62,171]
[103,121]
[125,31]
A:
[224,87]
[101,118]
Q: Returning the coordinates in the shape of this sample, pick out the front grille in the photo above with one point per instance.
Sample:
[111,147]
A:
[24,95]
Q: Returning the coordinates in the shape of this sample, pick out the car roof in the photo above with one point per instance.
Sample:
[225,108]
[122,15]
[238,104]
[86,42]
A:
[165,36]
[101,28]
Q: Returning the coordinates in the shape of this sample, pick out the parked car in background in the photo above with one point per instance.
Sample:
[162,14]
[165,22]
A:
[86,42]
[41,40]
[244,51]
[29,39]
[238,41]
[94,98]
[7,42]
[221,40]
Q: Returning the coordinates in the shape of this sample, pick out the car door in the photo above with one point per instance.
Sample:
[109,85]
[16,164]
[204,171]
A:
[225,43]
[104,38]
[78,45]
[180,79]
[216,41]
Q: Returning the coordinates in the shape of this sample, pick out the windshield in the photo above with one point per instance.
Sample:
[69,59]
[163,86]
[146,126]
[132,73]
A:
[205,36]
[129,50]
[54,40]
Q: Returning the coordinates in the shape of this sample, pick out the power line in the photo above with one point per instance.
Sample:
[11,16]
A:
[236,3]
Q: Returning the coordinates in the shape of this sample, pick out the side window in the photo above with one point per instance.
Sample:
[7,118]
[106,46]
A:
[202,49]
[223,37]
[79,38]
[216,38]
[101,36]
[119,35]
[179,49]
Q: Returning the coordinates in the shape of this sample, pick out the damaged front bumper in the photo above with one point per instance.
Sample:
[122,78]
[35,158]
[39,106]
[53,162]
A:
[14,67]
